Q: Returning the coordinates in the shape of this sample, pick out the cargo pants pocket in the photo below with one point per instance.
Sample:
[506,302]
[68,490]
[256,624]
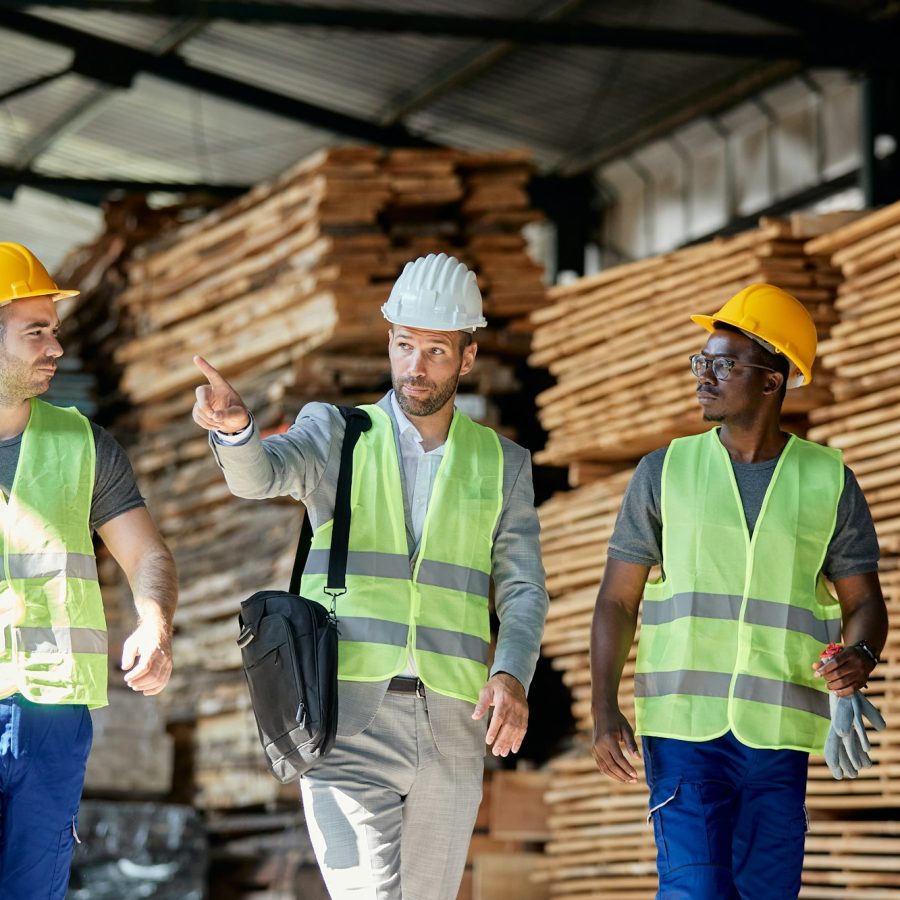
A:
[691,823]
[662,794]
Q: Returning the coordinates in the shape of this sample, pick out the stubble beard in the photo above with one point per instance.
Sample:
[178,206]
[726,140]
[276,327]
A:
[19,381]
[429,405]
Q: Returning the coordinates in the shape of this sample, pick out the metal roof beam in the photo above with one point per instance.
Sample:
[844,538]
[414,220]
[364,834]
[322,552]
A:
[89,106]
[818,49]
[802,15]
[33,84]
[94,190]
[124,62]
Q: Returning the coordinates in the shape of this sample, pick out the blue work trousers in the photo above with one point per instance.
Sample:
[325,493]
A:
[729,821]
[43,754]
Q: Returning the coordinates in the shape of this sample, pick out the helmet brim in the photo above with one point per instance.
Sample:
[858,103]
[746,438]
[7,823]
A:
[55,296]
[430,326]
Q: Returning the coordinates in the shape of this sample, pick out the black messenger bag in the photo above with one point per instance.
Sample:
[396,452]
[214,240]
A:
[289,644]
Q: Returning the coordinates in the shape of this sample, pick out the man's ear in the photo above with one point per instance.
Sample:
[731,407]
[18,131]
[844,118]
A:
[468,358]
[773,383]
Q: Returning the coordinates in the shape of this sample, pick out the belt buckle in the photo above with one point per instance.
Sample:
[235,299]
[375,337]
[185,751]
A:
[420,689]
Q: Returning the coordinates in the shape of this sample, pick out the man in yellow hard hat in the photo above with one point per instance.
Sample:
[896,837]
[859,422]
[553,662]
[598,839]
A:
[61,479]
[747,523]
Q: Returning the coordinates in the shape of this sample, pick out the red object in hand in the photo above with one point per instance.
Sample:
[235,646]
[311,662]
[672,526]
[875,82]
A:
[831,650]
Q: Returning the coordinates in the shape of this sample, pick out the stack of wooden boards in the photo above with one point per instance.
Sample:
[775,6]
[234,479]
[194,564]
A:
[618,343]
[510,831]
[281,290]
[132,752]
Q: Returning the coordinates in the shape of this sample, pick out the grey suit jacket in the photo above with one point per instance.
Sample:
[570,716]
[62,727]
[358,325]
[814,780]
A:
[304,464]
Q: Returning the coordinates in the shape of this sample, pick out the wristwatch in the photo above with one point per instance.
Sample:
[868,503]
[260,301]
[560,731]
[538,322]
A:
[866,650]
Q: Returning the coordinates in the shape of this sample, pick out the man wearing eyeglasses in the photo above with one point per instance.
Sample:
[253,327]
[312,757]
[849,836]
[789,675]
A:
[747,523]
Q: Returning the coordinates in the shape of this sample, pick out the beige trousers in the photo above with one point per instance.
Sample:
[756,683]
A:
[390,817]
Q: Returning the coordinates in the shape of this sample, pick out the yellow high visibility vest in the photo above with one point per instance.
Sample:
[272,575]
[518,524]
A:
[729,637]
[437,608]
[54,641]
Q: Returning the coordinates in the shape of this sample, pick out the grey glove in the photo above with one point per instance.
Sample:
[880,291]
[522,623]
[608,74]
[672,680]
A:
[847,745]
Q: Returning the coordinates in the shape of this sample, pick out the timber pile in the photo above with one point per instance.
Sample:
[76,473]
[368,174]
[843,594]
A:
[618,342]
[281,290]
[510,831]
[863,352]
[593,338]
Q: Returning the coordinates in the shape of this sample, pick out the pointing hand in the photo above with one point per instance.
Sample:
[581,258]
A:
[219,406]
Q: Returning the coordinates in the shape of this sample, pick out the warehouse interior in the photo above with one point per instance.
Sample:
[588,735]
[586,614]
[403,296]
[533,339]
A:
[246,179]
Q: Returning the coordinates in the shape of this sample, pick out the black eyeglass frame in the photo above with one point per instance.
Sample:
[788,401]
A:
[721,366]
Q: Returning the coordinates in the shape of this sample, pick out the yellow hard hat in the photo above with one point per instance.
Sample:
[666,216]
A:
[22,276]
[778,321]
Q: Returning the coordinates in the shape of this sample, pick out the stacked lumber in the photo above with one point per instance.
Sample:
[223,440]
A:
[862,354]
[504,858]
[281,290]
[618,342]
[606,411]
[131,753]
[266,855]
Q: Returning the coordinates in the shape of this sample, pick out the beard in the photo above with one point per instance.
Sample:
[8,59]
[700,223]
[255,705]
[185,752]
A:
[713,417]
[20,380]
[441,394]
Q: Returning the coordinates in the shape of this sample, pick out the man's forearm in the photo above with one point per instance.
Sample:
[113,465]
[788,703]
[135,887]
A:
[155,588]
[869,623]
[612,634]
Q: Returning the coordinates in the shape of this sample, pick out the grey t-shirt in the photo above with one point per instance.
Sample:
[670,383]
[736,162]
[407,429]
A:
[115,489]
[637,536]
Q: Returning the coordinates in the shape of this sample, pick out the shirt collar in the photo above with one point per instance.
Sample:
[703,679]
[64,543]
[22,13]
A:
[406,428]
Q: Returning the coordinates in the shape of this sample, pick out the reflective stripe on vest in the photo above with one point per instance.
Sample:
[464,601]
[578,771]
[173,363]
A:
[50,602]
[438,608]
[728,639]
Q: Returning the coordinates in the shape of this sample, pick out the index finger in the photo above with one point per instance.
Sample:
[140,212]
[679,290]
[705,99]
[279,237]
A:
[211,372]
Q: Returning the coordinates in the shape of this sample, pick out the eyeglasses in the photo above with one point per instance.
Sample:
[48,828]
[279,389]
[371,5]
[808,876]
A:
[721,366]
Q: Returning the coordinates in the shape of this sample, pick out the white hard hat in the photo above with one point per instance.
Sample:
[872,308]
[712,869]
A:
[436,292]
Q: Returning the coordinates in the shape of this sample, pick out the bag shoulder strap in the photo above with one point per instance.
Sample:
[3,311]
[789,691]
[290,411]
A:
[357,421]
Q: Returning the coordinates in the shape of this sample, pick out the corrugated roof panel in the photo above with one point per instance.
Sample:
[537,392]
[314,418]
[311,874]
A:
[49,226]
[136,31]
[158,131]
[24,58]
[26,116]
[356,74]
[572,101]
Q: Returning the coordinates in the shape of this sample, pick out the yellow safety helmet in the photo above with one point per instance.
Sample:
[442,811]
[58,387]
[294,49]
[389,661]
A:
[777,321]
[22,276]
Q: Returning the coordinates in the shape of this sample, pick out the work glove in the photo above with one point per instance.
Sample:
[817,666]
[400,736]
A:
[847,745]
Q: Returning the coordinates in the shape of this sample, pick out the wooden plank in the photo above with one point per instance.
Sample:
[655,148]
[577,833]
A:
[518,811]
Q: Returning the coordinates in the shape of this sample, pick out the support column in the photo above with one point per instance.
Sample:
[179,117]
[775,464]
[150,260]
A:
[569,204]
[880,171]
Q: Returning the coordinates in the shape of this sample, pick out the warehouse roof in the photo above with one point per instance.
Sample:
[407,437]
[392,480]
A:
[170,93]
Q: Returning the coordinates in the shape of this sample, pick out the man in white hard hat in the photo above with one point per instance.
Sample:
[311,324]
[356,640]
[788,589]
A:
[449,509]
[749,524]
[61,479]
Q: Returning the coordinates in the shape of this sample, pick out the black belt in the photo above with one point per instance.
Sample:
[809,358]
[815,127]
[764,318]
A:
[406,685]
